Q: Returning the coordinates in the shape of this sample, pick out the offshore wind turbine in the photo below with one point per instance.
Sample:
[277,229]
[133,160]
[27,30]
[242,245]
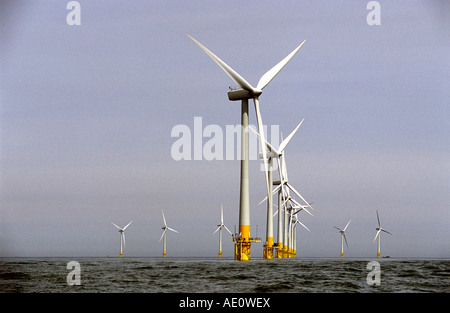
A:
[296,221]
[342,231]
[221,225]
[165,228]
[247,91]
[379,230]
[122,235]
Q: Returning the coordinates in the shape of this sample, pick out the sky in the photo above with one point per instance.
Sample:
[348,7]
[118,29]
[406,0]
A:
[87,114]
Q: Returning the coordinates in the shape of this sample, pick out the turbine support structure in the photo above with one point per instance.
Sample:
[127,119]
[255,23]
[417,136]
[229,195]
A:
[242,249]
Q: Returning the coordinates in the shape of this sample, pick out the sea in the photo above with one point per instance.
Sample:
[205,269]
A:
[223,275]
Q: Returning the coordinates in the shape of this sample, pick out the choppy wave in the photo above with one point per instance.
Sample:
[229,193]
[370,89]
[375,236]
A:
[136,275]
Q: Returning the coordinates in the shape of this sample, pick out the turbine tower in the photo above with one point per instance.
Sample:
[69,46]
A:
[122,236]
[165,228]
[342,231]
[379,230]
[247,91]
[221,225]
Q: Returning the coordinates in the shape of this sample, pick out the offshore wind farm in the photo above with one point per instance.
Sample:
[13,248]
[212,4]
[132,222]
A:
[286,246]
[240,152]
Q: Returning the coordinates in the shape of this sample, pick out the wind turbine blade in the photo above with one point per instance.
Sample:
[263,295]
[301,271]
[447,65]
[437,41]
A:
[302,207]
[283,167]
[303,225]
[263,200]
[172,229]
[273,192]
[283,204]
[337,228]
[117,226]
[238,79]
[221,213]
[347,225]
[227,229]
[270,74]
[288,138]
[164,232]
[216,230]
[261,134]
[299,195]
[345,238]
[269,146]
[378,218]
[127,225]
[378,232]
[164,218]
[386,231]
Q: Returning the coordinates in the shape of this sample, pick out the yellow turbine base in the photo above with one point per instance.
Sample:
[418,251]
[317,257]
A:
[342,254]
[164,254]
[268,252]
[242,247]
[120,254]
[242,250]
[220,253]
[378,254]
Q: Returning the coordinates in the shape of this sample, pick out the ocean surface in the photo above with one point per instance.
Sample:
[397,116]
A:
[213,275]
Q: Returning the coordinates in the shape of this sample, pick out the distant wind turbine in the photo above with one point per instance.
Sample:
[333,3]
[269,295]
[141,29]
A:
[342,231]
[165,228]
[221,225]
[122,235]
[295,221]
[379,230]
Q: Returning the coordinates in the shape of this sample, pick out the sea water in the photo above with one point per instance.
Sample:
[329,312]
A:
[222,275]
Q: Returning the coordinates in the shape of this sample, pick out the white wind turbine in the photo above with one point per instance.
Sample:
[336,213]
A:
[246,92]
[342,231]
[379,230]
[165,228]
[122,235]
[221,225]
[294,222]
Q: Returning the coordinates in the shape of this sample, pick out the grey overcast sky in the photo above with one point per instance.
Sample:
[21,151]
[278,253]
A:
[87,114]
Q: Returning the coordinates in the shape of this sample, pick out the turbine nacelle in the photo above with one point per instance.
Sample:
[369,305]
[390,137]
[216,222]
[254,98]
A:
[240,94]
